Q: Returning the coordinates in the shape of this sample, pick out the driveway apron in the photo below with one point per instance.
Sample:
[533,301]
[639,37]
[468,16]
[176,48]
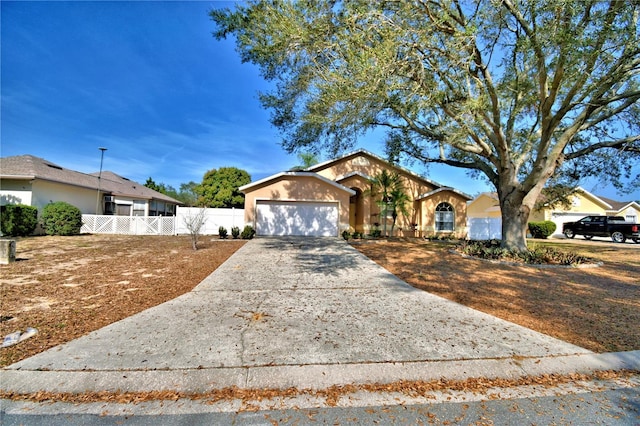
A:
[288,312]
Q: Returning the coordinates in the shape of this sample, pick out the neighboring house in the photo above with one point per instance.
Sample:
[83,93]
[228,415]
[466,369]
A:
[485,217]
[33,181]
[328,198]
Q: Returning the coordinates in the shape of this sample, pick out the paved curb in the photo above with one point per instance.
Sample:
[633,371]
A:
[310,376]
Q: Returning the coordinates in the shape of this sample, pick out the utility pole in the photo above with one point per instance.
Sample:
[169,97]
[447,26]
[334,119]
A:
[102,150]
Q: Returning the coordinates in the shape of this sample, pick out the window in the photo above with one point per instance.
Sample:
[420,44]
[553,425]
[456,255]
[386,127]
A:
[444,217]
[139,207]
[123,209]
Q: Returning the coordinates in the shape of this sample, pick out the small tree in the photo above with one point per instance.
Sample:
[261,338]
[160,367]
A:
[194,224]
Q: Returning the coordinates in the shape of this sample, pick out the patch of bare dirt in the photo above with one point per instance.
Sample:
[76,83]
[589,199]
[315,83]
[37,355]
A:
[596,308]
[67,287]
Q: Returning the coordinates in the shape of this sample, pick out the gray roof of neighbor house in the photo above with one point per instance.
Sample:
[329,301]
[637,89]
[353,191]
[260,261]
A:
[29,167]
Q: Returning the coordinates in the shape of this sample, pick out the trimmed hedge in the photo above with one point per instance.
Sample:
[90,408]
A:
[542,229]
[18,220]
[61,218]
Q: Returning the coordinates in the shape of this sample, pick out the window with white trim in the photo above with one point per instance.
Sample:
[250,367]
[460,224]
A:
[139,207]
[444,217]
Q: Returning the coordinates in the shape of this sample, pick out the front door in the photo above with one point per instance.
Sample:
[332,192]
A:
[356,211]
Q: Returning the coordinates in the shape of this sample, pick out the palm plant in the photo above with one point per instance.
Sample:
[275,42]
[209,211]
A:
[392,196]
[398,200]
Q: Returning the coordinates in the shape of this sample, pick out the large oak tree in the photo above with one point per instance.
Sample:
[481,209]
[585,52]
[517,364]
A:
[518,91]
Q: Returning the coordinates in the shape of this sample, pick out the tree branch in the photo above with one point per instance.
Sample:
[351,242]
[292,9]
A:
[625,144]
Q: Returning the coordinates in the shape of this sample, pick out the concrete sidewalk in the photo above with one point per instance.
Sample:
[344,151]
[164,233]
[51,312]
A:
[300,312]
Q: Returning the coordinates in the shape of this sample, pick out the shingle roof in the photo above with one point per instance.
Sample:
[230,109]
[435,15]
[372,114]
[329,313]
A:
[615,205]
[364,152]
[32,167]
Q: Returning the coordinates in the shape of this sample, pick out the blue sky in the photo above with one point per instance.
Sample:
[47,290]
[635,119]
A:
[148,81]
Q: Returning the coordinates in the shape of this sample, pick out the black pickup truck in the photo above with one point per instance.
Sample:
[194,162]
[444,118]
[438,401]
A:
[603,226]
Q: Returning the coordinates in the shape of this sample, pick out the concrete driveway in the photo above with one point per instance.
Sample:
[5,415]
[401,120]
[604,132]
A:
[305,312]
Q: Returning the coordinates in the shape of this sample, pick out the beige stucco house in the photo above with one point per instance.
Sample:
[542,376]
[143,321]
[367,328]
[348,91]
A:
[485,216]
[336,195]
[34,181]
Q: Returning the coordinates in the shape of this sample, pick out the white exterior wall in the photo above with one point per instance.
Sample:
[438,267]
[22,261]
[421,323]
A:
[45,192]
[15,192]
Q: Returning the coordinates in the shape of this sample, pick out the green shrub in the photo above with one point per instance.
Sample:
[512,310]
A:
[248,232]
[18,220]
[534,256]
[61,218]
[542,229]
[222,232]
[346,234]
[235,232]
[376,233]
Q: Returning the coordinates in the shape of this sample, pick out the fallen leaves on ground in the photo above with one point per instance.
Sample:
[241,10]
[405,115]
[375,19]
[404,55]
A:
[67,287]
[331,395]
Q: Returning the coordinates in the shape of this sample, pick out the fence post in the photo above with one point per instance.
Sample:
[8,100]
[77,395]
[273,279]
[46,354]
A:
[7,251]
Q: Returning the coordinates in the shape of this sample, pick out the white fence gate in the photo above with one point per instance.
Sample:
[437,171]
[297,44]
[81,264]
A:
[484,228]
[162,225]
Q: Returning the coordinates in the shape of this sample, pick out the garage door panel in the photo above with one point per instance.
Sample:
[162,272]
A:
[307,219]
[560,218]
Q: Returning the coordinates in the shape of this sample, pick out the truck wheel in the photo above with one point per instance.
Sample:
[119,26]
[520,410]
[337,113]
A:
[587,237]
[618,237]
[569,233]
[636,240]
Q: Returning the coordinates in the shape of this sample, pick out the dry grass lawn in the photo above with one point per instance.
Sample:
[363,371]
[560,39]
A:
[596,308]
[67,287]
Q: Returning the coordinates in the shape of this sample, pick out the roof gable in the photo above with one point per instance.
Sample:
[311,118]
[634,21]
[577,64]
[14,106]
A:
[365,153]
[273,178]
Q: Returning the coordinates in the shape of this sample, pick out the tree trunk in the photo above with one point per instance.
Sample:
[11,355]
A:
[515,206]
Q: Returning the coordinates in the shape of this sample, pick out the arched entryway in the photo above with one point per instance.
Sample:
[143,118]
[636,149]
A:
[356,211]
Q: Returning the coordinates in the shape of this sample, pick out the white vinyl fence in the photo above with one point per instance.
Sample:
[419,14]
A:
[162,225]
[127,225]
[214,218]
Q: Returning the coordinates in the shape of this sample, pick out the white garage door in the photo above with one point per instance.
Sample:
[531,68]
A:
[297,218]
